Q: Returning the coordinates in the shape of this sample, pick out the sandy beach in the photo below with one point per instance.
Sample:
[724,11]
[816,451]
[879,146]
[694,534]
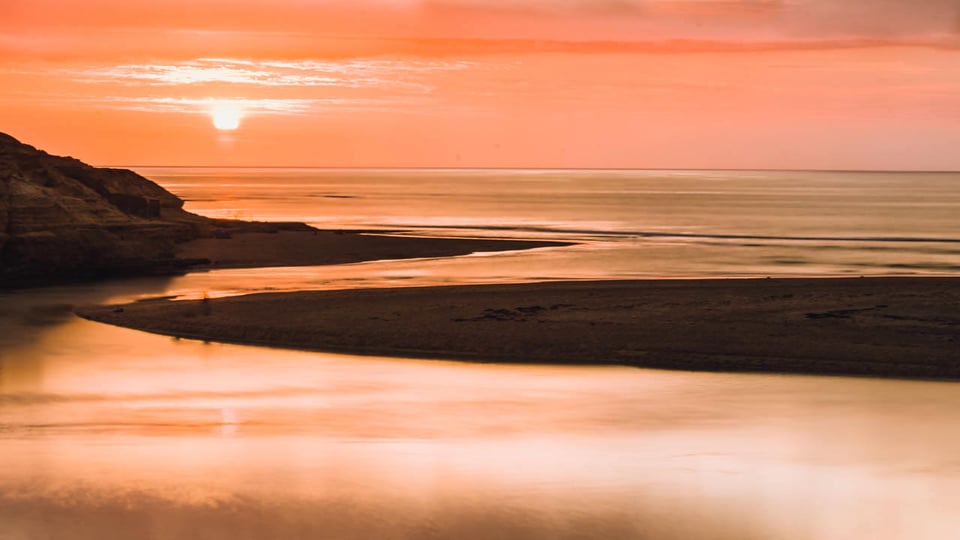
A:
[895,327]
[318,247]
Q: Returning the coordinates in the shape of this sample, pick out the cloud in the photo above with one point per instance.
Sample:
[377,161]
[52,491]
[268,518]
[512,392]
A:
[254,106]
[189,86]
[873,18]
[355,73]
[539,6]
[177,104]
[109,29]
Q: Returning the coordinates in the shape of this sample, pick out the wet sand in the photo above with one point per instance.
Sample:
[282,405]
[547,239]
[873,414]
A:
[309,248]
[895,327]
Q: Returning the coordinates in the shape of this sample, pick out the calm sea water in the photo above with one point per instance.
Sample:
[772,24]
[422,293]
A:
[113,433]
[633,223]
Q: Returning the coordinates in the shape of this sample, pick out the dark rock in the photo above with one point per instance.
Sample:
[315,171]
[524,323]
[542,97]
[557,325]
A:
[63,219]
[135,205]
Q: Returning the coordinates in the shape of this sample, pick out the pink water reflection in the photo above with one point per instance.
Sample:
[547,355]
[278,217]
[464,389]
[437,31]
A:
[160,438]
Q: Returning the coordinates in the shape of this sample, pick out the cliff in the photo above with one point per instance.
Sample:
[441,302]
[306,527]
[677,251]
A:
[63,219]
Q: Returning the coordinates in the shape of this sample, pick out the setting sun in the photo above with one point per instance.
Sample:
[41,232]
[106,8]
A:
[226,115]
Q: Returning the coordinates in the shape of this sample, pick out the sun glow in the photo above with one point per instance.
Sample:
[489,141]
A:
[226,115]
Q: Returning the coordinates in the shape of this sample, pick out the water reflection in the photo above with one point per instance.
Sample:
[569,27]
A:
[27,314]
[108,432]
[111,433]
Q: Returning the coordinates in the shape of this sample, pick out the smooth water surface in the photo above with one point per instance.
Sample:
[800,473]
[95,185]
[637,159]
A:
[113,433]
[632,223]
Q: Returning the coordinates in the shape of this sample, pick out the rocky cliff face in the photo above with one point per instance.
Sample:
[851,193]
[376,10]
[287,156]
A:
[63,219]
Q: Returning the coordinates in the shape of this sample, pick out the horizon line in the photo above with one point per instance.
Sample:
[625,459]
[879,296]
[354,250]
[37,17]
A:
[384,168]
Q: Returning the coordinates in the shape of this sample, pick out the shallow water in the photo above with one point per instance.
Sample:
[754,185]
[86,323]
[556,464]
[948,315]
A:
[634,223]
[112,433]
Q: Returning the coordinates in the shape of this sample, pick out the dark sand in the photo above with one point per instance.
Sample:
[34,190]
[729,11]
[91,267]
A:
[309,248]
[902,327]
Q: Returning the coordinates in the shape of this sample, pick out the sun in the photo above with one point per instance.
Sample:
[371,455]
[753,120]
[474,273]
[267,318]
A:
[226,115]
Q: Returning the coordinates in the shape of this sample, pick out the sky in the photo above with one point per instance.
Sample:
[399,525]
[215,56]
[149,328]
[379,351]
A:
[768,84]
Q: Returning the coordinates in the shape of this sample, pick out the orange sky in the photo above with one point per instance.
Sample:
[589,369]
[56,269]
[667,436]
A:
[822,84]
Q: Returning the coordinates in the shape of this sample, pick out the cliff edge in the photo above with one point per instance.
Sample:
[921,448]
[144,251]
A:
[61,219]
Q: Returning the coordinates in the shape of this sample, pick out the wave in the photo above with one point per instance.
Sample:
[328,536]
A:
[671,234]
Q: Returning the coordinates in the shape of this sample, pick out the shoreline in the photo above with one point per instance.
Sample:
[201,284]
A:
[318,247]
[901,327]
[265,244]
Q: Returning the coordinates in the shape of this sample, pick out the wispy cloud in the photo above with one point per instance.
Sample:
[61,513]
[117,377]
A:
[357,73]
[261,87]
[409,106]
[256,106]
[178,104]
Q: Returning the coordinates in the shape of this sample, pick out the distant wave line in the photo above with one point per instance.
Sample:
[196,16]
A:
[661,234]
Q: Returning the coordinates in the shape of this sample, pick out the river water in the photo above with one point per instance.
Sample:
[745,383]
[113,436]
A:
[113,433]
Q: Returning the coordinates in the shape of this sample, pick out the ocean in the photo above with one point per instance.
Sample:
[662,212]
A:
[109,432]
[631,223]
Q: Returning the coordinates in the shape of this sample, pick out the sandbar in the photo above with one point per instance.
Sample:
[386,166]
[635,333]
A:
[890,327]
[321,247]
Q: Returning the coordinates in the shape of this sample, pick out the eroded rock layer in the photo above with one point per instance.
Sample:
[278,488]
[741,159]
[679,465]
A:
[63,219]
